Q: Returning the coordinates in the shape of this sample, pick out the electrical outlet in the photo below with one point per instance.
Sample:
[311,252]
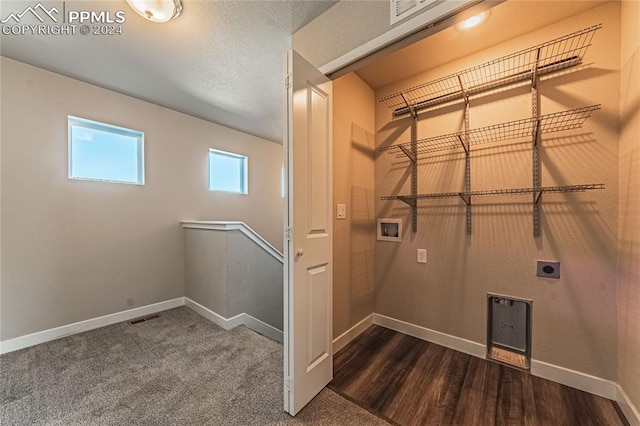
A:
[422,255]
[341,211]
[546,269]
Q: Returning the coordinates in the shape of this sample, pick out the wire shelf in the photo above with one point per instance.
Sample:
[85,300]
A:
[560,53]
[556,122]
[414,197]
[494,192]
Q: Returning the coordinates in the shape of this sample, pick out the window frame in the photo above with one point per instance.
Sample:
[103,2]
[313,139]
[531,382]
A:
[244,172]
[108,128]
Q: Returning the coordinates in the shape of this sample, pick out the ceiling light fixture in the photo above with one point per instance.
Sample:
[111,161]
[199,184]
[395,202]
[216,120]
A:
[474,21]
[157,10]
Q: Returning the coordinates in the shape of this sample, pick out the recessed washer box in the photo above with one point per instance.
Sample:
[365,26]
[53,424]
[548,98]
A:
[548,269]
[509,330]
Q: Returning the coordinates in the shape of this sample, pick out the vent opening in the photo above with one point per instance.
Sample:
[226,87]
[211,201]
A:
[401,9]
[143,319]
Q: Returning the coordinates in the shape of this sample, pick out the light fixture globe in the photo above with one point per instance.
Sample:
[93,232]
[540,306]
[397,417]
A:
[157,10]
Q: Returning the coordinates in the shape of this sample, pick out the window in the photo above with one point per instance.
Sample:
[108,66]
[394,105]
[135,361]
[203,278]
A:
[227,172]
[103,152]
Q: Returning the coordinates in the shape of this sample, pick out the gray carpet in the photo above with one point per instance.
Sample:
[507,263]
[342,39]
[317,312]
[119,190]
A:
[179,369]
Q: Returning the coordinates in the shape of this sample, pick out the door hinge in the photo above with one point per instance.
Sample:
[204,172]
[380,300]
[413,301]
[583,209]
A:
[287,81]
[288,233]
[288,384]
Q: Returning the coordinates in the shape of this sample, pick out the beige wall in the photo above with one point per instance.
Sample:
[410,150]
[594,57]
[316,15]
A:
[255,287]
[74,250]
[206,274]
[353,172]
[220,277]
[629,206]
[574,318]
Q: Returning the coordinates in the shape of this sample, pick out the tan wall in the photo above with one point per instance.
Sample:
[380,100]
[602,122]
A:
[629,206]
[574,318]
[353,170]
[74,250]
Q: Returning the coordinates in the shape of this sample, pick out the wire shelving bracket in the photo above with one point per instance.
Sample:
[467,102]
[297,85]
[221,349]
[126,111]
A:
[525,65]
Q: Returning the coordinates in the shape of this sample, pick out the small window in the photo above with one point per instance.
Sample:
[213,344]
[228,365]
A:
[103,152]
[227,172]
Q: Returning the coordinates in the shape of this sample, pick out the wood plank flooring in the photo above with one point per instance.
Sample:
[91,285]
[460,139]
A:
[408,381]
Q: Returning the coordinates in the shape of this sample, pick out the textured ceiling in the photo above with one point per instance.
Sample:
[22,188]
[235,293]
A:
[221,61]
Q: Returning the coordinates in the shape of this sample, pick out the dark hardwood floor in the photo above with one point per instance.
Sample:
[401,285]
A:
[408,381]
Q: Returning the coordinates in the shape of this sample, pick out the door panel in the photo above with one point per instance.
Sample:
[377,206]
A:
[318,288]
[318,108]
[308,250]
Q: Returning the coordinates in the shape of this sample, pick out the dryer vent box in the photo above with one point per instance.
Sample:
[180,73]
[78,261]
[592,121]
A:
[548,269]
[509,331]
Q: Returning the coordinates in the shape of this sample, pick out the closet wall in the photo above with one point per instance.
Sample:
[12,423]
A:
[574,318]
[629,205]
[353,170]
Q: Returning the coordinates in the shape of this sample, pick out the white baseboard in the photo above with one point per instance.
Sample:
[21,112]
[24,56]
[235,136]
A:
[345,338]
[257,325]
[240,319]
[218,320]
[630,411]
[574,379]
[448,341]
[33,339]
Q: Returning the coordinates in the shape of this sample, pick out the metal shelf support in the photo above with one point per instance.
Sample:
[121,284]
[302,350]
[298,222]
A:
[411,201]
[466,198]
[408,153]
[467,155]
[535,159]
[413,156]
[414,172]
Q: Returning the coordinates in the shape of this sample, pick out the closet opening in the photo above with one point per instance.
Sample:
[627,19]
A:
[488,146]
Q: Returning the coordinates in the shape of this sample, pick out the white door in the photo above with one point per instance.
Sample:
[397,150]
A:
[308,296]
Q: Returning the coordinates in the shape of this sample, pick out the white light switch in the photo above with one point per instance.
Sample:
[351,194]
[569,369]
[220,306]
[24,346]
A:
[422,255]
[341,211]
